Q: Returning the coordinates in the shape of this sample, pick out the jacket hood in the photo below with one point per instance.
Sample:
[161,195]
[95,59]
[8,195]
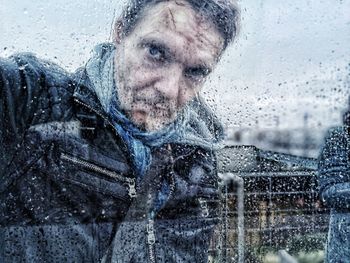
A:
[200,126]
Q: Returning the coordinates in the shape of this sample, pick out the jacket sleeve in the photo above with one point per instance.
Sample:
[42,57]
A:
[19,88]
[17,99]
[26,98]
[334,168]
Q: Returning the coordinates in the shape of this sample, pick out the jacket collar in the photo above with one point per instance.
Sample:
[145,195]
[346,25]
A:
[84,95]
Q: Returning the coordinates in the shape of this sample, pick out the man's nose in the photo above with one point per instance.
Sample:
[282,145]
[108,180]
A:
[170,83]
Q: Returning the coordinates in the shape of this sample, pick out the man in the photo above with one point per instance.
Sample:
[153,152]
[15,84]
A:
[116,162]
[334,180]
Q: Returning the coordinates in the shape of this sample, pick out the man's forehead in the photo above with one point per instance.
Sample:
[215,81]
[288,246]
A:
[180,18]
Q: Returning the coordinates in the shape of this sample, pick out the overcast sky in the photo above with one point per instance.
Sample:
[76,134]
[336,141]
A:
[291,58]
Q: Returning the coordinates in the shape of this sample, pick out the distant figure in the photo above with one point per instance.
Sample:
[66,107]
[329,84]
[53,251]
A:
[334,180]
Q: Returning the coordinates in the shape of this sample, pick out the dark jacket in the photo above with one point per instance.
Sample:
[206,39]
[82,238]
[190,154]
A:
[334,180]
[67,188]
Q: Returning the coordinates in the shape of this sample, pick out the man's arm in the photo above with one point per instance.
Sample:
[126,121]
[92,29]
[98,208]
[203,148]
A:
[20,81]
[15,93]
[25,98]
[334,169]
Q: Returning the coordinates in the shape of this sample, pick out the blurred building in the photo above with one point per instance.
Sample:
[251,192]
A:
[281,202]
[298,141]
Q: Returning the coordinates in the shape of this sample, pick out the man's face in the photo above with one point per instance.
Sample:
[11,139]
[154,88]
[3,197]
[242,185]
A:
[162,64]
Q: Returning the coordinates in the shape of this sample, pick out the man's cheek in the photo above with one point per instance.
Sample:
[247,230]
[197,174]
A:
[139,77]
[125,98]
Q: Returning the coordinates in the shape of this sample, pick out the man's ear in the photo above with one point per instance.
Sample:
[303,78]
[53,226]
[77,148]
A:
[118,32]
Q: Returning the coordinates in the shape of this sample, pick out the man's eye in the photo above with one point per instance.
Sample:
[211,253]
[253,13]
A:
[197,72]
[156,53]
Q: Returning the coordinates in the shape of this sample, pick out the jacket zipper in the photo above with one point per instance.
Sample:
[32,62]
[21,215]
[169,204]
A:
[171,185]
[151,237]
[204,207]
[151,240]
[132,185]
[96,111]
[129,181]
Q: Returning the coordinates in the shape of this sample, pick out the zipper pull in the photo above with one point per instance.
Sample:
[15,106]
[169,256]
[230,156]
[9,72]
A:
[204,206]
[151,237]
[132,189]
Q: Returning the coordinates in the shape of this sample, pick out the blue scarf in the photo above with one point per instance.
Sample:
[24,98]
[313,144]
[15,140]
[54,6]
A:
[139,144]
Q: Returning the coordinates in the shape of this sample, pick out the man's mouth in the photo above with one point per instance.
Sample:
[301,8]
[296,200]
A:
[148,105]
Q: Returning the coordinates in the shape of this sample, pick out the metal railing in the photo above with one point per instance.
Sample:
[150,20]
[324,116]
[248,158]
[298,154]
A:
[257,212]
[229,178]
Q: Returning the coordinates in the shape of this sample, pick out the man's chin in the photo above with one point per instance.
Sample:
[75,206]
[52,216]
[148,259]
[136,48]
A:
[153,125]
[149,123]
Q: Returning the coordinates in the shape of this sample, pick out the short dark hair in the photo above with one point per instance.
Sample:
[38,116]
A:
[224,14]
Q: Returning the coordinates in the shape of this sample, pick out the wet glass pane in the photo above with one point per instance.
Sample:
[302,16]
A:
[161,131]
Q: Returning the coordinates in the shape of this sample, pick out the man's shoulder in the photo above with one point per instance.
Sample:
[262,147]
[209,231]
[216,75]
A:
[42,88]
[35,69]
[336,142]
[338,133]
